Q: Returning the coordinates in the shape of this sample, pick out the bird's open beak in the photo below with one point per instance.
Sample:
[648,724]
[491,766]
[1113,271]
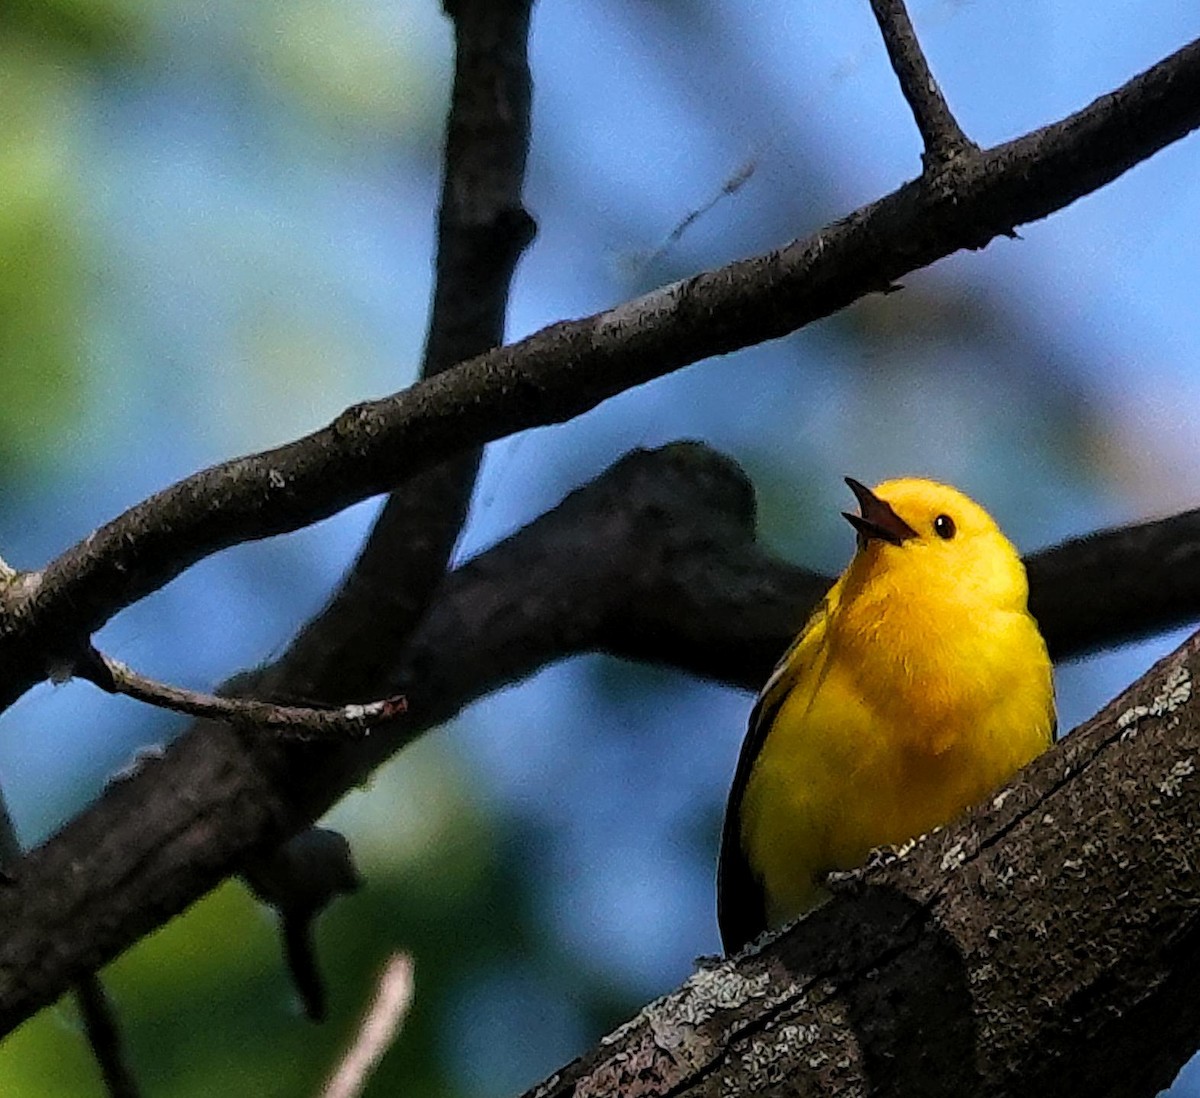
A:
[877,520]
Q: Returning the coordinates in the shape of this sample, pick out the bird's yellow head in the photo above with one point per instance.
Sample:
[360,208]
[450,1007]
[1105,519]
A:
[917,536]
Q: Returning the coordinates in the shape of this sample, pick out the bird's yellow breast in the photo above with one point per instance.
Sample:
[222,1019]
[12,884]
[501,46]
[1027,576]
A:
[892,725]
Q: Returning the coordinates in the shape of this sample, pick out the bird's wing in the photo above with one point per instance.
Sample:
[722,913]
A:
[741,907]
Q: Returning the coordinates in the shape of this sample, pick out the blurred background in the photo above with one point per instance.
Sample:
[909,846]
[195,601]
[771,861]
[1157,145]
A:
[216,232]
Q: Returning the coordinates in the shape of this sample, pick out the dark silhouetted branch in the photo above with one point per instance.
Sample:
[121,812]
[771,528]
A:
[104,1038]
[1116,586]
[1089,593]
[482,230]
[300,879]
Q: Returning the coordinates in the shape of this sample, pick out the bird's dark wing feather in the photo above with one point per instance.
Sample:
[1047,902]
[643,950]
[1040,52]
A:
[741,906]
[741,910]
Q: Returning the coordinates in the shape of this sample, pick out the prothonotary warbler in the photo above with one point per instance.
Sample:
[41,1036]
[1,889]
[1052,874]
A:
[919,685]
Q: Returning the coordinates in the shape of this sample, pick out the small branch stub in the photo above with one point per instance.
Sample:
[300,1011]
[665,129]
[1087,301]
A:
[943,137]
[300,879]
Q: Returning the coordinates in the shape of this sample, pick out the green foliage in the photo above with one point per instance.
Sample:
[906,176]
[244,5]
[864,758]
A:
[42,252]
[95,29]
[351,74]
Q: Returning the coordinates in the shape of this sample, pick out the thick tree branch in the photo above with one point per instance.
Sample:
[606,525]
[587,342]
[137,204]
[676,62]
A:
[943,137]
[1048,943]
[654,560]
[572,366]
[1089,593]
[1116,586]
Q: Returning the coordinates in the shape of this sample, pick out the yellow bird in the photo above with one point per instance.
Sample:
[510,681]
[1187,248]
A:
[918,686]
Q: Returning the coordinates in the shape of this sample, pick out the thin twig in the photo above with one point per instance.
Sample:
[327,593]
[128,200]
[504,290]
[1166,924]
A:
[943,137]
[378,1030]
[297,722]
[734,183]
[104,1037]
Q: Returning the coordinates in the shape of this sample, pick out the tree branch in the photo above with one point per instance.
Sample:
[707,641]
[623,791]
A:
[1099,591]
[940,131]
[351,721]
[1116,586]
[380,1025]
[481,232]
[300,879]
[654,560]
[572,366]
[104,1038]
[1047,943]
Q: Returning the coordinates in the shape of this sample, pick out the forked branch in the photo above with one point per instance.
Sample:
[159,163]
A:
[943,137]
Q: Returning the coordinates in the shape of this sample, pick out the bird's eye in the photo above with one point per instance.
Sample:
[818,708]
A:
[943,526]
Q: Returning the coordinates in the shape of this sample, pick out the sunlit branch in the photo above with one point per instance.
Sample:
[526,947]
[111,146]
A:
[381,1024]
[1044,943]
